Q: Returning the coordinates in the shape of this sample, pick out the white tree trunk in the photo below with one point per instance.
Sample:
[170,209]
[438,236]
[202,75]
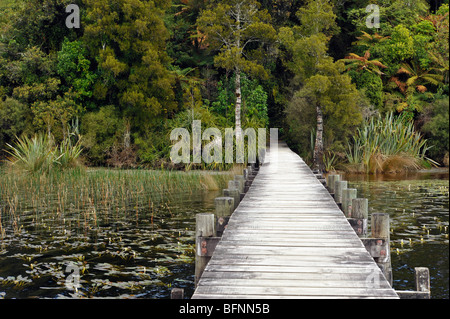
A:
[318,149]
[238,102]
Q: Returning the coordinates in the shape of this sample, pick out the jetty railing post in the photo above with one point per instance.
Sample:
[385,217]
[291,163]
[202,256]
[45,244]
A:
[360,215]
[423,288]
[331,180]
[204,227]
[240,183]
[177,293]
[348,195]
[339,186]
[224,207]
[248,176]
[233,192]
[422,279]
[381,230]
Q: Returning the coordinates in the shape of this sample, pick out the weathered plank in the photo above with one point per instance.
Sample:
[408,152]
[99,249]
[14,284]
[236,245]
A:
[293,292]
[289,239]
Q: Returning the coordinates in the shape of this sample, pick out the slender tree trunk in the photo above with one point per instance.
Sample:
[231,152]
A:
[238,75]
[318,149]
[238,102]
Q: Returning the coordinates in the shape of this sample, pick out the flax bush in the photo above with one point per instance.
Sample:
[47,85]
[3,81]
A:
[388,144]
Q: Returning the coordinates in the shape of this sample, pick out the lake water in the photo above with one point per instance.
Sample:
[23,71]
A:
[129,254]
[418,206]
[145,253]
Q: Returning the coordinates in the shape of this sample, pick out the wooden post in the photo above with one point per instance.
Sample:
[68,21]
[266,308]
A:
[234,185]
[380,226]
[381,230]
[224,206]
[331,180]
[233,192]
[240,179]
[348,195]
[423,291]
[246,173]
[249,179]
[338,187]
[248,183]
[360,215]
[422,279]
[360,208]
[204,227]
[177,293]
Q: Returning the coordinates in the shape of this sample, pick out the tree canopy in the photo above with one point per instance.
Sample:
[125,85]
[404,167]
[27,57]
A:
[135,69]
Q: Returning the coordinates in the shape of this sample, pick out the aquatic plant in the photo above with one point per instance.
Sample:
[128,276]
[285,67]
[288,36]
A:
[128,231]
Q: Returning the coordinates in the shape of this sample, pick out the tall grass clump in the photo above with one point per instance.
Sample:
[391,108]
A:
[39,154]
[388,144]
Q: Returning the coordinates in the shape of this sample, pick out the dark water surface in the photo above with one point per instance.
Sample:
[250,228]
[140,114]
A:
[144,252]
[134,254]
[418,205]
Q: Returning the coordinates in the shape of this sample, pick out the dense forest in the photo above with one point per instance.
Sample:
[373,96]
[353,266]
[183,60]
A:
[115,87]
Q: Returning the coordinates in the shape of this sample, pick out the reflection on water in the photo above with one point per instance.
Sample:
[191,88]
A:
[419,212]
[141,252]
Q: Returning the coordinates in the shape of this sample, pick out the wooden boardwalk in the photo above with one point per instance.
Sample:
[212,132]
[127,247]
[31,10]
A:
[288,239]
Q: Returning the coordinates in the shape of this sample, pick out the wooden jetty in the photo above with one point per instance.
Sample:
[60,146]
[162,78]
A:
[288,238]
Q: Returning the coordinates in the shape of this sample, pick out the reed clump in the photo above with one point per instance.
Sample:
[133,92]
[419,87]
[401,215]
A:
[387,145]
[41,155]
[90,192]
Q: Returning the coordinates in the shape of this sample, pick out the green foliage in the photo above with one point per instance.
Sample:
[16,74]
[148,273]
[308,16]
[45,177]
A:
[39,154]
[437,128]
[317,17]
[381,138]
[340,102]
[74,68]
[41,23]
[138,68]
[224,102]
[231,26]
[372,86]
[58,111]
[254,101]
[128,37]
[14,120]
[324,89]
[100,131]
[399,47]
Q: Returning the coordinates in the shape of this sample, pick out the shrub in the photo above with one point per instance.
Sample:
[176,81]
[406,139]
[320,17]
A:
[15,119]
[101,130]
[40,155]
[32,155]
[387,144]
[437,128]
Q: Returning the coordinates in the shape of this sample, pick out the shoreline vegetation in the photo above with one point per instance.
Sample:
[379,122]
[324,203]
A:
[136,70]
[387,145]
[96,192]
